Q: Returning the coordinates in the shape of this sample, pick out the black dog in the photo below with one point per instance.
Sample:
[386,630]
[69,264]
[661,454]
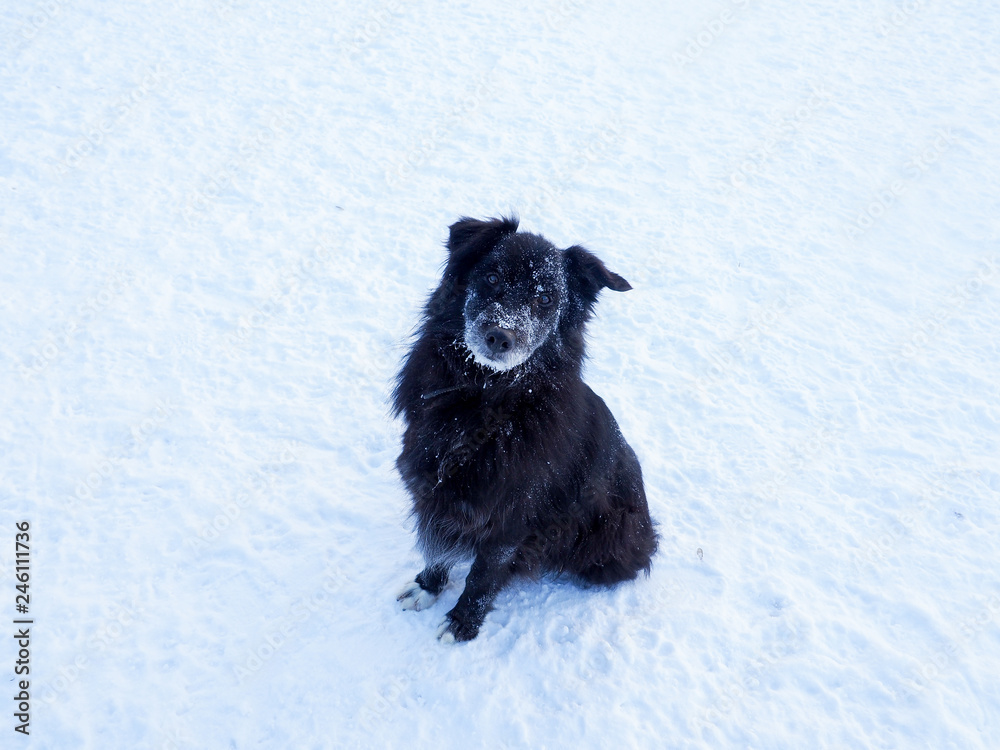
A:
[511,459]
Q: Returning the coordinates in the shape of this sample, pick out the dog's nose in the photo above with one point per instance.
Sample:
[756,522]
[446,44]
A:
[499,340]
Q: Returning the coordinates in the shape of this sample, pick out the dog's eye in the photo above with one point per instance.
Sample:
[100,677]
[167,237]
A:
[493,279]
[545,300]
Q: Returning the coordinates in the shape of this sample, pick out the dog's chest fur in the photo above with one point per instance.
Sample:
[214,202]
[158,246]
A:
[467,441]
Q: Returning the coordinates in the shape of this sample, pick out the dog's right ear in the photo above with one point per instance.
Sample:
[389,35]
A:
[586,275]
[469,239]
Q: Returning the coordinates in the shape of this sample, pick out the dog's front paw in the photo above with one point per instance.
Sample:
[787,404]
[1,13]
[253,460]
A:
[453,630]
[416,597]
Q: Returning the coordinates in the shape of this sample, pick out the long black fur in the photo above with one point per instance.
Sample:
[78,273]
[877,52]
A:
[523,470]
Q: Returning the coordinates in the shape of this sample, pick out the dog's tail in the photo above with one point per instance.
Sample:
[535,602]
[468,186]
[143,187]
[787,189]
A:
[619,544]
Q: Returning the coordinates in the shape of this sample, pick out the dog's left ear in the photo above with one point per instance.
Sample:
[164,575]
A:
[587,275]
[469,239]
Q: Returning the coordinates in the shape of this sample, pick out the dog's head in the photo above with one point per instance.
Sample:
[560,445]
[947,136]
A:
[518,292]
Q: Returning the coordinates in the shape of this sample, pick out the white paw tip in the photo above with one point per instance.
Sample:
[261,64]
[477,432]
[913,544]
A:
[412,596]
[445,635]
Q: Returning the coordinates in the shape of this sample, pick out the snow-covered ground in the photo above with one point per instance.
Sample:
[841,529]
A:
[218,222]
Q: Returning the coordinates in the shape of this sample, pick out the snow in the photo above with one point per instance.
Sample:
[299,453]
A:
[219,223]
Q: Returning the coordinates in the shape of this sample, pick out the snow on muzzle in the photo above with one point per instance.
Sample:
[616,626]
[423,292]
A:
[502,339]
